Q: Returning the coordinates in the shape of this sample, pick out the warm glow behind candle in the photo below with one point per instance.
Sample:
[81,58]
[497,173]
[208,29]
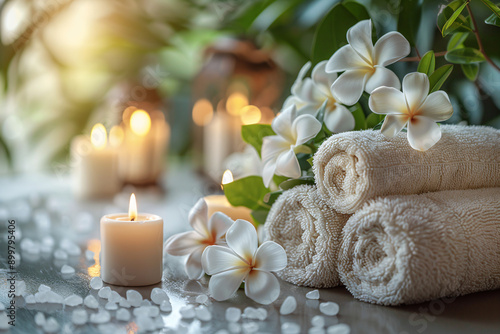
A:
[250,115]
[203,112]
[235,103]
[98,136]
[140,122]
[132,208]
[116,136]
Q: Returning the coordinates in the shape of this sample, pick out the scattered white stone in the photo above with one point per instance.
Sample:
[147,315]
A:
[30,299]
[73,300]
[20,288]
[153,311]
[122,315]
[29,246]
[316,330]
[141,311]
[222,331]
[251,313]
[134,298]
[111,328]
[261,313]
[329,308]
[289,305]
[158,295]
[96,283]
[53,298]
[59,254]
[144,324]
[124,303]
[290,328]
[17,258]
[187,312]
[104,292]
[101,317]
[201,299]
[79,316]
[111,306]
[48,241]
[40,319]
[158,322]
[114,297]
[312,294]
[89,255]
[67,270]
[145,302]
[43,288]
[234,327]
[41,297]
[4,321]
[165,306]
[250,327]
[233,314]
[339,329]
[318,321]
[70,247]
[51,325]
[203,313]
[90,302]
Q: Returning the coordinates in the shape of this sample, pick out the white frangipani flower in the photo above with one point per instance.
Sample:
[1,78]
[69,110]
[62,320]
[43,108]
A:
[309,94]
[415,107]
[364,64]
[242,261]
[278,152]
[193,243]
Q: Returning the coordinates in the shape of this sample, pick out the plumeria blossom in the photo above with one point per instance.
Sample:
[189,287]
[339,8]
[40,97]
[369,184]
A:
[206,232]
[415,107]
[244,261]
[309,94]
[278,151]
[364,64]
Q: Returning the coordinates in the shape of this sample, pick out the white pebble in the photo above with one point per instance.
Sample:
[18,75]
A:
[316,330]
[318,321]
[104,292]
[261,313]
[141,311]
[251,313]
[290,328]
[70,247]
[234,327]
[43,288]
[79,316]
[30,299]
[67,270]
[20,288]
[59,254]
[222,331]
[52,297]
[201,299]
[96,283]
[134,298]
[145,302]
[40,319]
[90,302]
[203,313]
[339,329]
[312,294]
[144,324]
[4,321]
[158,295]
[114,297]
[165,306]
[100,317]
[250,327]
[153,311]
[233,314]
[158,322]
[289,305]
[329,308]
[111,306]
[187,312]
[73,300]
[30,246]
[124,303]
[89,255]
[122,315]
[51,325]
[41,297]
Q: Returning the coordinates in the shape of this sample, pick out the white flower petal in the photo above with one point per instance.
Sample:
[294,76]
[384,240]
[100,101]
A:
[272,146]
[382,77]
[302,73]
[198,217]
[193,267]
[345,59]
[306,91]
[282,124]
[416,89]
[437,106]
[261,286]
[387,100]
[217,259]
[223,286]
[349,86]
[268,171]
[292,100]
[183,243]
[393,124]
[359,37]
[321,78]
[218,225]
[390,48]
[339,119]
[308,109]
[288,165]
[242,238]
[305,128]
[270,257]
[423,133]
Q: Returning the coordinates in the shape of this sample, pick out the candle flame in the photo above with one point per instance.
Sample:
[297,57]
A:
[116,136]
[140,122]
[250,115]
[132,208]
[227,177]
[98,136]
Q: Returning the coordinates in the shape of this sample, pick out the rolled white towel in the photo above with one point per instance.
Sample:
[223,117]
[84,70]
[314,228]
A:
[309,231]
[409,249]
[353,167]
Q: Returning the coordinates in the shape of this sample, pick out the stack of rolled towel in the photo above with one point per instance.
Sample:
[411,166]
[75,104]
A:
[396,225]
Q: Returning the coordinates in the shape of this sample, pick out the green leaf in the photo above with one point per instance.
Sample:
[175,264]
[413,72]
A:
[494,8]
[253,134]
[459,24]
[471,71]
[445,31]
[297,182]
[409,19]
[493,20]
[310,160]
[277,179]
[427,64]
[270,198]
[464,56]
[379,125]
[359,117]
[330,34]
[259,216]
[457,40]
[248,192]
[373,120]
[439,76]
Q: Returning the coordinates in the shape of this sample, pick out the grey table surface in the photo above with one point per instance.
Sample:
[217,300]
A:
[43,205]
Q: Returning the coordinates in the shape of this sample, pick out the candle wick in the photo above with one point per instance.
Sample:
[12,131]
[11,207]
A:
[132,219]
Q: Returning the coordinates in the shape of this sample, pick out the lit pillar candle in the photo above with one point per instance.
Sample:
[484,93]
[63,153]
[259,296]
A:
[131,247]
[94,165]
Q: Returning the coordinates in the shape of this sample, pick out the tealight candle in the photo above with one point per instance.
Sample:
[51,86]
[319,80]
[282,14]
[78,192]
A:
[131,247]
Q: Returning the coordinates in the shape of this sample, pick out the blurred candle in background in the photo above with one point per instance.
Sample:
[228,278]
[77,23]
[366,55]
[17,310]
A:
[94,165]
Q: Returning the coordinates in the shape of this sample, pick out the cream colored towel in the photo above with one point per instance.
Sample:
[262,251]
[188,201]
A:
[352,167]
[309,231]
[409,249]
